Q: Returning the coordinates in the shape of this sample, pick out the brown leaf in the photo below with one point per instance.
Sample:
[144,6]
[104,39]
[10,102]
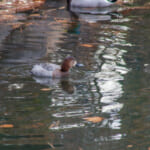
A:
[95,119]
[87,45]
[45,89]
[6,126]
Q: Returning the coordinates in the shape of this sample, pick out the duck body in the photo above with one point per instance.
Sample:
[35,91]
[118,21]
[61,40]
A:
[90,3]
[45,70]
[53,70]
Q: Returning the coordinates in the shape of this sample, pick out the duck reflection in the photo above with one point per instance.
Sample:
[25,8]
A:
[65,84]
[93,15]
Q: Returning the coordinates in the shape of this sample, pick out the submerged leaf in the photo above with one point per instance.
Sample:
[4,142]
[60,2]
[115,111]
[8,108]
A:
[95,119]
[129,146]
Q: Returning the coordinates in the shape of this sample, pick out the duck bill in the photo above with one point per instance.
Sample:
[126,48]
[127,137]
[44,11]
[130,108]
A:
[79,65]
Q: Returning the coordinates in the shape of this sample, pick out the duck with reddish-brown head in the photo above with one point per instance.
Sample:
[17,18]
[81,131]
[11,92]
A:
[53,70]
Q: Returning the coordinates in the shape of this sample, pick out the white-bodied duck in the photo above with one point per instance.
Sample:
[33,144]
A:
[53,70]
[90,3]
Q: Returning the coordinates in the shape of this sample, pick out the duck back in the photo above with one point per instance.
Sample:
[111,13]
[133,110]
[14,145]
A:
[44,70]
[92,3]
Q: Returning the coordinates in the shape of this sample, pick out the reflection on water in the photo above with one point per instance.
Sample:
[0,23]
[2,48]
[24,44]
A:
[113,69]
[110,85]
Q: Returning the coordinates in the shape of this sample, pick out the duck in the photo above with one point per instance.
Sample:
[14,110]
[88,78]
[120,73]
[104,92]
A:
[53,70]
[90,3]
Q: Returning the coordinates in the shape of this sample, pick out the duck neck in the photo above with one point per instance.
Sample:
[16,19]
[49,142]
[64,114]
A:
[112,1]
[68,4]
[64,68]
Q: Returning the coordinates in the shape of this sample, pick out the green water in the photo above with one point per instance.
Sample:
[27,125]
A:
[113,84]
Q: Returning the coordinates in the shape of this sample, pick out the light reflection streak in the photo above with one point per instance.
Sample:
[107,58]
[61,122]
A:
[113,69]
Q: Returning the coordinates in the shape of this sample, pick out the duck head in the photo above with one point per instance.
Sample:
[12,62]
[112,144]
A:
[68,63]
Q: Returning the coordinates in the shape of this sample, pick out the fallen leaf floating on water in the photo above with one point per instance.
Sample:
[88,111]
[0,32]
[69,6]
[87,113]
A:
[87,45]
[94,119]
[45,89]
[6,126]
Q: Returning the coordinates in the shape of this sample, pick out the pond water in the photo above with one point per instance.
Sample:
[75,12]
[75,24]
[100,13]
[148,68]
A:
[113,84]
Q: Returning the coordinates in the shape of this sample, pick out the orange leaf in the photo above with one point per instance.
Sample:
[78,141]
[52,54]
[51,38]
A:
[94,119]
[45,89]
[86,45]
[6,126]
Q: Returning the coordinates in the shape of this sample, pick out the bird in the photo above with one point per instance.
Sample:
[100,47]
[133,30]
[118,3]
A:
[90,3]
[53,70]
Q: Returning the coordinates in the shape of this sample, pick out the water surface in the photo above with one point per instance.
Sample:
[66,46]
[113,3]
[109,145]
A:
[113,84]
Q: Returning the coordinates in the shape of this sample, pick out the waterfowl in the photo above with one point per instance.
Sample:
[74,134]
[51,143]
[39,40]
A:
[53,70]
[90,3]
